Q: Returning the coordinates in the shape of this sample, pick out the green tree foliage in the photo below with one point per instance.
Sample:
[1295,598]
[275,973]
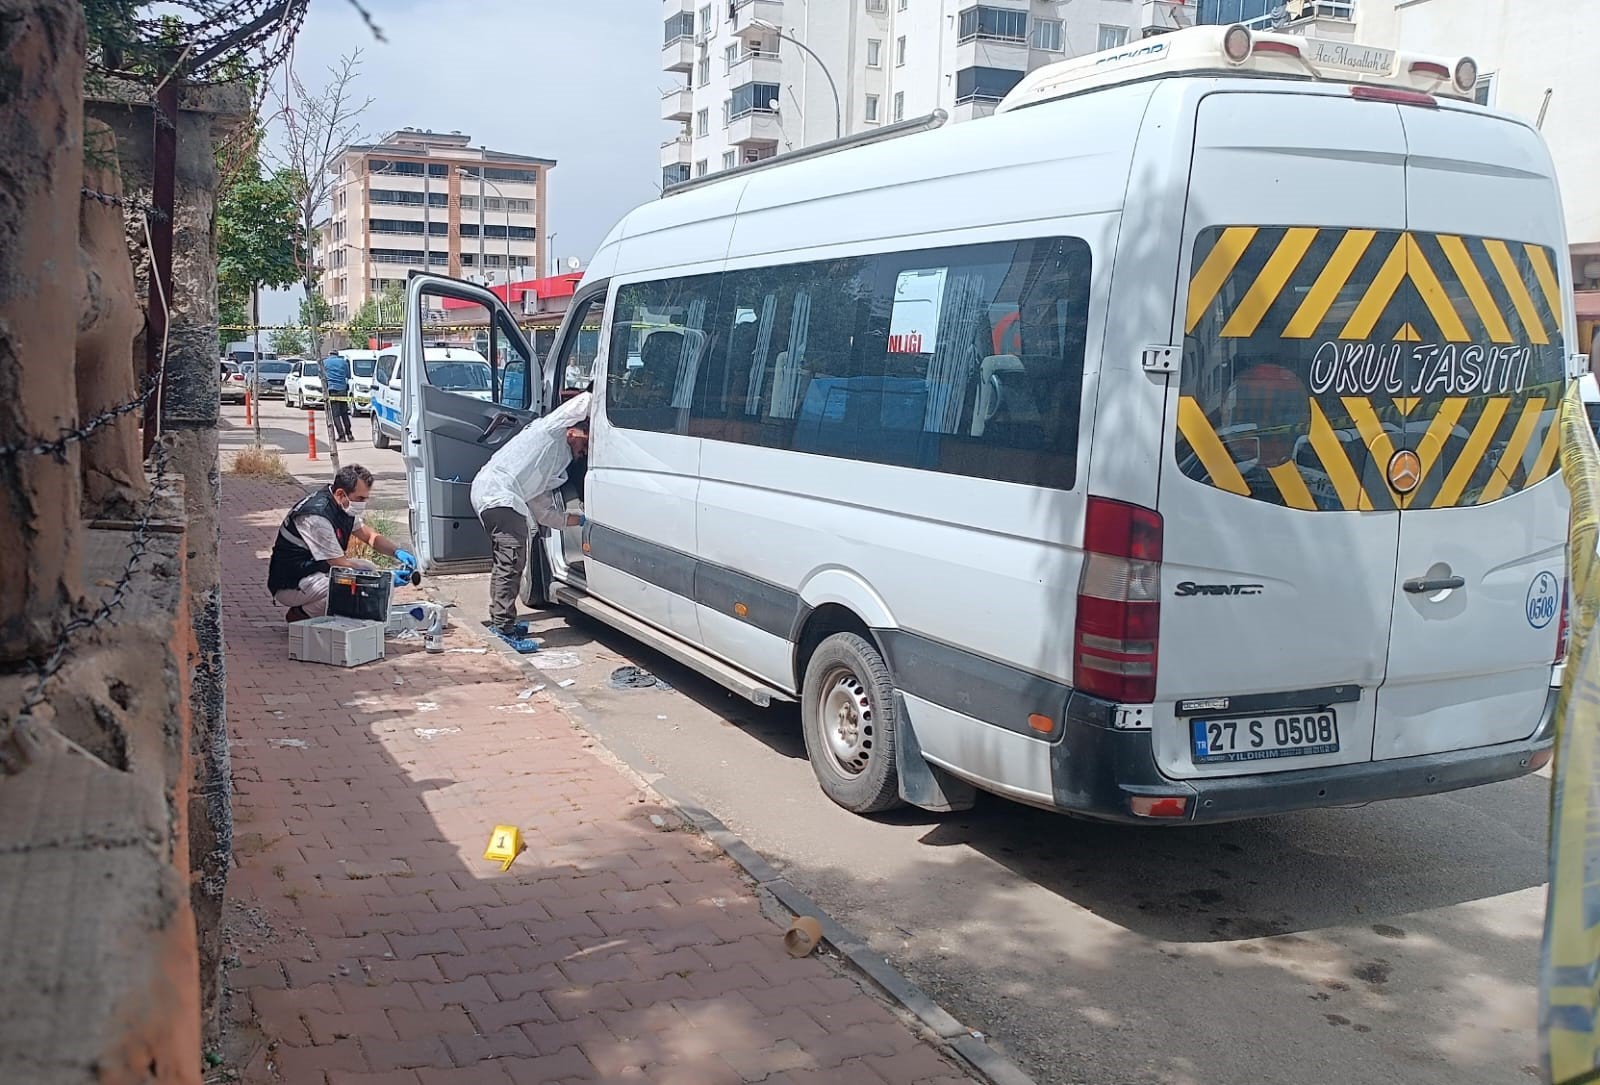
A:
[378,317]
[257,232]
[290,342]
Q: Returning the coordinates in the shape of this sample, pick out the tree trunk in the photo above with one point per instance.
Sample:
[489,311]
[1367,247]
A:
[255,369]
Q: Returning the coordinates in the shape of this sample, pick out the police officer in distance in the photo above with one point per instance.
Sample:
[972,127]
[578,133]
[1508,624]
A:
[314,537]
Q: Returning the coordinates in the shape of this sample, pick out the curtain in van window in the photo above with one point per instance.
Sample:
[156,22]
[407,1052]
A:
[950,369]
[1315,357]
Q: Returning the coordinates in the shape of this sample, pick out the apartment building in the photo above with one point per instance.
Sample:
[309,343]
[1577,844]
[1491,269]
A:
[754,78]
[418,198]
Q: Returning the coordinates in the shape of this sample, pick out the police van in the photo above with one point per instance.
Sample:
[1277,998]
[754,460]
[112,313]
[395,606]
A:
[1176,445]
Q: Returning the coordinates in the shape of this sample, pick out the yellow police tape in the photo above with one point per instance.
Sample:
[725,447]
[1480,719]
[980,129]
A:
[1569,987]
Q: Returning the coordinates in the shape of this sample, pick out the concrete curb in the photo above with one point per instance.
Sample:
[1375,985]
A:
[968,1045]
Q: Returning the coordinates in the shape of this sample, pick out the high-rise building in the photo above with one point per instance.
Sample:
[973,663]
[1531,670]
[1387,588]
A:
[1276,14]
[430,199]
[755,78]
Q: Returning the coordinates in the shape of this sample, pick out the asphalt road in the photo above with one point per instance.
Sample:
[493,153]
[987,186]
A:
[1392,943]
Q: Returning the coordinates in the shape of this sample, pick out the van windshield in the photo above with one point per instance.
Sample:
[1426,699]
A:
[274,369]
[1315,357]
[463,375]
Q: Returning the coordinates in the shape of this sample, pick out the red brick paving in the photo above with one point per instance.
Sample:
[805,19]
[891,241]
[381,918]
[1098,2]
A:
[376,946]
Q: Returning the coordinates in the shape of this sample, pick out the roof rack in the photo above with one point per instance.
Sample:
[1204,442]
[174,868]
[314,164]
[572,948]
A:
[933,120]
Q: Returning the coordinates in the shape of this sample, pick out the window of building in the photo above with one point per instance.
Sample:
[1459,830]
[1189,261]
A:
[706,28]
[730,57]
[730,159]
[874,53]
[992,24]
[1113,37]
[519,205]
[679,25]
[1483,90]
[469,259]
[753,98]
[438,169]
[900,51]
[965,360]
[1047,35]
[702,167]
[872,109]
[727,112]
[704,65]
[527,177]
[904,4]
[702,123]
[878,5]
[985,84]
[394,226]
[899,105]
[493,203]
[674,174]
[398,169]
[469,203]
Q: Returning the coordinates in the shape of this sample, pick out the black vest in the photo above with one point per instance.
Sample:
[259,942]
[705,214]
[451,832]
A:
[291,558]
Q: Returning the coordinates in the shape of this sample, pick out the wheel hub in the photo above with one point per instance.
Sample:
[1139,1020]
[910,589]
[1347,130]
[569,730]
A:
[847,723]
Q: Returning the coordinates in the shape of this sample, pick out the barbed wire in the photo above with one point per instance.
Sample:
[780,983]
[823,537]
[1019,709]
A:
[125,202]
[219,40]
[50,665]
[57,447]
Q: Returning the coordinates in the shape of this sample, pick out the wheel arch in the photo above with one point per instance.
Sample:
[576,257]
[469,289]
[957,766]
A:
[837,601]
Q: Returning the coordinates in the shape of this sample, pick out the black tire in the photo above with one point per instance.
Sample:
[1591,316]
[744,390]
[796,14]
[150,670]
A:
[856,766]
[380,439]
[536,576]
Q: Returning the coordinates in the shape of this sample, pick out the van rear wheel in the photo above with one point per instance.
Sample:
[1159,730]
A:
[379,438]
[847,712]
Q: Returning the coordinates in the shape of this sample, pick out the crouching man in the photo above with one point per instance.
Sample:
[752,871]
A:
[314,538]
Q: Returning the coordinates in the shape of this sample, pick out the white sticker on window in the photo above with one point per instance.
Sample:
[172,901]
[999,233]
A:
[914,323]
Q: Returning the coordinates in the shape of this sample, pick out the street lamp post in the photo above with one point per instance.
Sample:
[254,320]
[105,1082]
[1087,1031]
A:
[838,110]
[505,205]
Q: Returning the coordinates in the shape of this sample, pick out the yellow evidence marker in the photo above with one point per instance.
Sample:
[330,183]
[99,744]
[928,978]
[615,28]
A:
[505,844]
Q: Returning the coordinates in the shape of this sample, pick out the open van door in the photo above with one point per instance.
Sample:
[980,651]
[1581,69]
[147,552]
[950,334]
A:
[460,405]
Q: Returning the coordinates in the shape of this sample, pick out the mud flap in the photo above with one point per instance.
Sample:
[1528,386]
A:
[921,784]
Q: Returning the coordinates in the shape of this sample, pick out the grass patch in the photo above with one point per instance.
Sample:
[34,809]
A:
[260,463]
[383,525]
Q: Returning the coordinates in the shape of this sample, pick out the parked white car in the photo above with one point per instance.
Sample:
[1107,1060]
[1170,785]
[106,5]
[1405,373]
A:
[303,389]
[363,364]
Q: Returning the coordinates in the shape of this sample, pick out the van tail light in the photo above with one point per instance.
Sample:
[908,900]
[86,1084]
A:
[1562,629]
[1119,603]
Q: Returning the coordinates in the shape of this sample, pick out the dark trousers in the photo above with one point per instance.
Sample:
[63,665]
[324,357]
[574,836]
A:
[339,404]
[508,534]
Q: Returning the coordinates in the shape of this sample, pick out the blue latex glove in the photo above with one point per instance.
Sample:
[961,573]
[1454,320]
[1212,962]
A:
[406,557]
[583,521]
[402,577]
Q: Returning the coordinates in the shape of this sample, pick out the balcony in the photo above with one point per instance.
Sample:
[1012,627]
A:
[670,8]
[973,109]
[677,104]
[755,67]
[676,151]
[757,126]
[678,55]
[747,14]
[1331,19]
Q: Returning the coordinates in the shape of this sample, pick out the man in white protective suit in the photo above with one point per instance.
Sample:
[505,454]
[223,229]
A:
[521,481]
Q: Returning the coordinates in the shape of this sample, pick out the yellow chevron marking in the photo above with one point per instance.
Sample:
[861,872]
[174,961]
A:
[1547,453]
[1196,429]
[1431,447]
[1516,448]
[1314,309]
[1215,269]
[1330,450]
[1433,293]
[1472,454]
[1547,279]
[1372,431]
[1405,404]
[1407,334]
[1292,486]
[1483,302]
[1378,295]
[1512,278]
[1269,284]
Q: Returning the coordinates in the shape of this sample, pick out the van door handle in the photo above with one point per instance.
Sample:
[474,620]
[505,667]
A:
[1423,586]
[495,424]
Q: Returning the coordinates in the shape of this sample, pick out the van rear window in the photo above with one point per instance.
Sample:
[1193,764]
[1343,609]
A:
[1314,357]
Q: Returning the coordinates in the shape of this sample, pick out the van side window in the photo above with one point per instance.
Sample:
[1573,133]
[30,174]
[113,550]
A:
[387,368]
[658,340]
[965,360]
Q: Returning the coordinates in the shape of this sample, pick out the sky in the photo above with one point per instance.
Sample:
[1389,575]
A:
[579,81]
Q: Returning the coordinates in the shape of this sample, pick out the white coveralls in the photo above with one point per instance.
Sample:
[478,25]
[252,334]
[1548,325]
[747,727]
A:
[520,482]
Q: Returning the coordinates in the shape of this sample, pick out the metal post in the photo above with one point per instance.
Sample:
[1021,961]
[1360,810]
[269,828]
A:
[164,197]
[838,109]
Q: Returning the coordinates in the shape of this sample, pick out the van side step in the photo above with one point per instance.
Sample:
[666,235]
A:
[719,672]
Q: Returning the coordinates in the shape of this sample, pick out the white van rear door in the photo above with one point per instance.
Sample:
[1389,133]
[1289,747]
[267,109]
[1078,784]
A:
[1280,539]
[1479,584]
